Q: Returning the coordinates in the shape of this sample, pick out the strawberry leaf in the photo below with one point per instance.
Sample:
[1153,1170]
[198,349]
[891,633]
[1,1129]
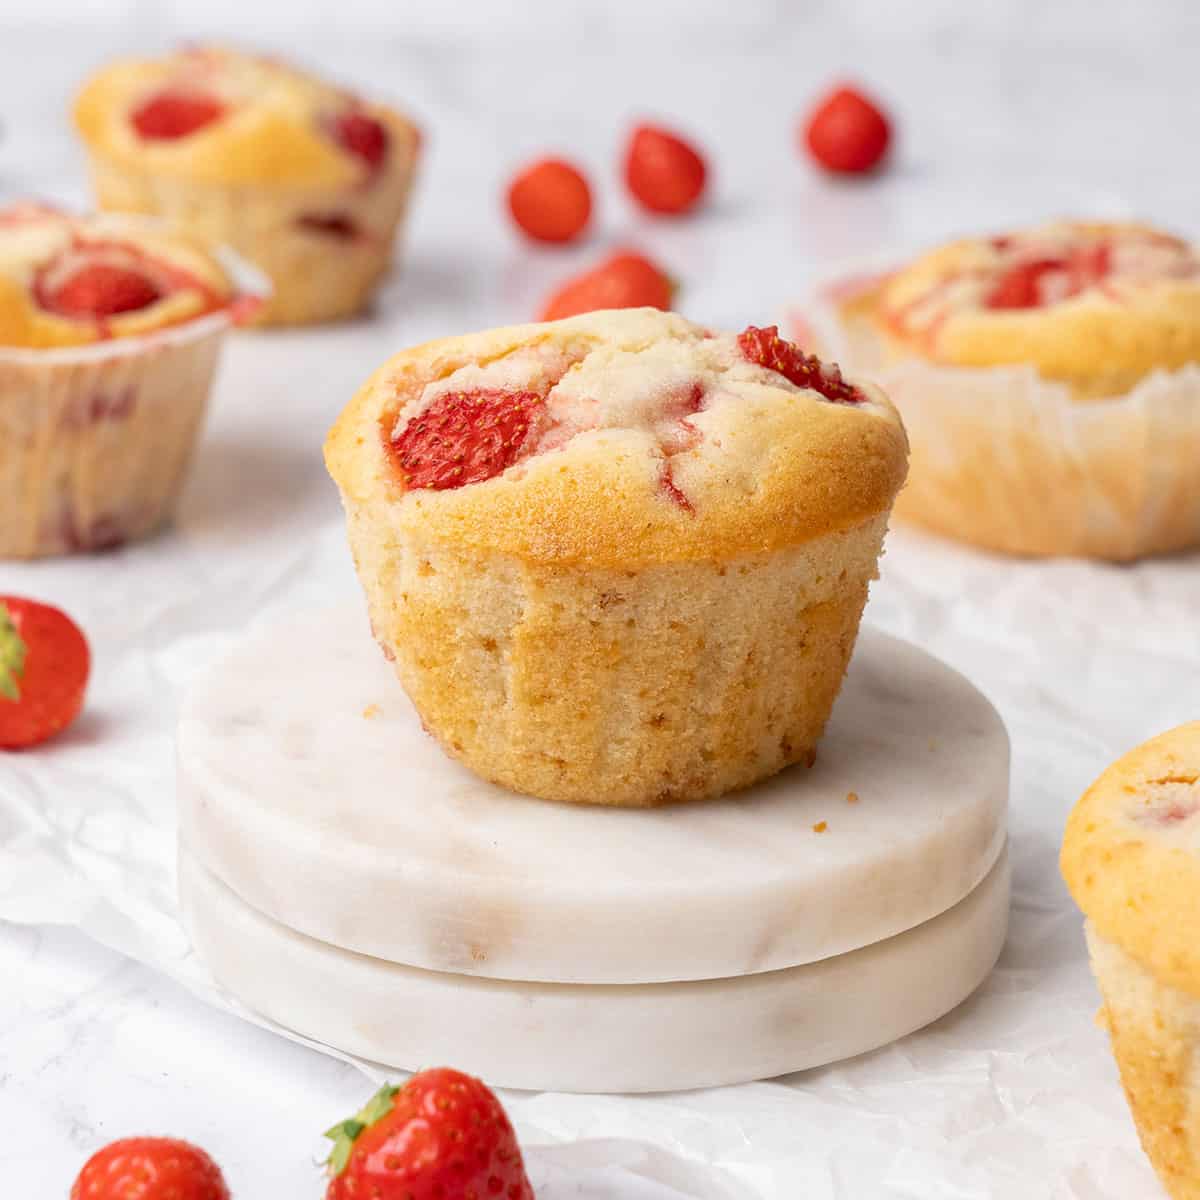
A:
[12,656]
[344,1134]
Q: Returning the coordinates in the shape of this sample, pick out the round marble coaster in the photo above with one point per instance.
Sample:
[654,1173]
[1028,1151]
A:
[307,785]
[597,1038]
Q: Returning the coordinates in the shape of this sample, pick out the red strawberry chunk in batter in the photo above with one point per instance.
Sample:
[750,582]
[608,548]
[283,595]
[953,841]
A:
[466,437]
[362,136]
[102,290]
[169,115]
[766,348]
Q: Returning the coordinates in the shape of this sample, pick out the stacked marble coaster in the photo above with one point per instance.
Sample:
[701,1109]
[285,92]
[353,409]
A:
[342,876]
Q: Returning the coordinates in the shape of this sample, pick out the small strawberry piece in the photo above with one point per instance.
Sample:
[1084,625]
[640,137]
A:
[1020,286]
[363,136]
[466,437]
[626,280]
[767,349]
[101,290]
[1028,284]
[44,668]
[168,115]
[550,200]
[847,133]
[147,1168]
[665,173]
[335,225]
[442,1136]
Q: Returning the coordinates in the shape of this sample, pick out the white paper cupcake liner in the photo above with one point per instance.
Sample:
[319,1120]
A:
[95,440]
[1009,461]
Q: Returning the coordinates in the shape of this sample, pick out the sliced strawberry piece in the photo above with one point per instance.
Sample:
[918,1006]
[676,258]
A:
[767,349]
[168,115]
[363,136]
[101,290]
[1020,285]
[466,437]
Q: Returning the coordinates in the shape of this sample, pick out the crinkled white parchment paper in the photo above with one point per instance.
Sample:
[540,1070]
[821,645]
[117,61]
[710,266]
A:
[1014,1094]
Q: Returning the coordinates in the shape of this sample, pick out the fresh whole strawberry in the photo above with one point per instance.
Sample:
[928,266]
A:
[442,1136]
[44,667]
[168,115]
[466,437]
[626,280]
[847,132]
[550,200]
[146,1168]
[766,348]
[362,135]
[665,173]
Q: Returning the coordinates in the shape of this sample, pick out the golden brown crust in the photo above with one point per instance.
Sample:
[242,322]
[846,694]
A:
[790,466]
[1100,342]
[1134,871]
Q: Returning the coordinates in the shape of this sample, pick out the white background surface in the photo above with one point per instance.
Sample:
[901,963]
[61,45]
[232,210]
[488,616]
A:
[1007,112]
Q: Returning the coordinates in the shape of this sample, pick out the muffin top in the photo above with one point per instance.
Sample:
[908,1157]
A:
[617,438]
[1131,855]
[215,115]
[69,281]
[1097,306]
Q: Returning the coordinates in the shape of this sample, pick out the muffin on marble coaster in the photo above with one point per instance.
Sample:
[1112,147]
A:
[1050,383]
[305,179]
[1131,857]
[110,328]
[618,559]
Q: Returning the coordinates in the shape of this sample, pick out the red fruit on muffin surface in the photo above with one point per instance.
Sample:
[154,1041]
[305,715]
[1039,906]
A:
[44,668]
[847,132]
[665,173]
[466,437]
[625,280]
[550,200]
[766,348]
[146,1168]
[442,1136]
[168,115]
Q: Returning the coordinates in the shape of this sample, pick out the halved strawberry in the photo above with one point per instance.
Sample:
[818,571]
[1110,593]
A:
[363,136]
[766,348]
[175,114]
[466,437]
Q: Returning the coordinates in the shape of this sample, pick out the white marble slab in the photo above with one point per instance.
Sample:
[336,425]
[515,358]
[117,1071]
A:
[589,1038]
[306,783]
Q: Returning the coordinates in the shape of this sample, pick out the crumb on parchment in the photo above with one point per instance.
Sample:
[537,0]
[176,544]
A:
[820,827]
[372,710]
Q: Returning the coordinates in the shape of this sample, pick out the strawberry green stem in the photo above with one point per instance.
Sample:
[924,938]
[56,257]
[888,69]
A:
[12,656]
[344,1134]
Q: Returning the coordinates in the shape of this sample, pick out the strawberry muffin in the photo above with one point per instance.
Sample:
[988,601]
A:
[305,179]
[1050,384]
[1131,858]
[618,559]
[110,328]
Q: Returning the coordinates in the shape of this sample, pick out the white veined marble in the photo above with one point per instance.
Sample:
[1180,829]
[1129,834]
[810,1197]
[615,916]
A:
[306,783]
[588,1038]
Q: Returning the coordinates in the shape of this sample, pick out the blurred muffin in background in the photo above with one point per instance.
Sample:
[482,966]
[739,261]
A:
[305,179]
[1050,383]
[110,328]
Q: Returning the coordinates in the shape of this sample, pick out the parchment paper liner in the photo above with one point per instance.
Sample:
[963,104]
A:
[1007,460]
